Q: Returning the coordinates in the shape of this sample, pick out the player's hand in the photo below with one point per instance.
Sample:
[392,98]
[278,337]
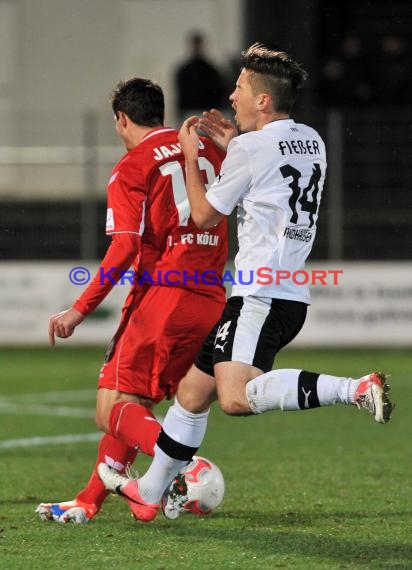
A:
[63,324]
[189,139]
[220,130]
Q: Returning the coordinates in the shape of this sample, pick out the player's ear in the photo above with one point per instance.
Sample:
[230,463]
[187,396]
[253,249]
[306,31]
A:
[263,101]
[122,118]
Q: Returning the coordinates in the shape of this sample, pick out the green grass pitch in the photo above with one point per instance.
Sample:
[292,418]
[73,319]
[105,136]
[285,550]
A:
[321,489]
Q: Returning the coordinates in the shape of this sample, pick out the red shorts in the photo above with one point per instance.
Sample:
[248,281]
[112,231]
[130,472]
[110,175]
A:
[157,341]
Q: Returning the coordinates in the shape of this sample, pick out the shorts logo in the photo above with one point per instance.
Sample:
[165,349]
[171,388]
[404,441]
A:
[221,346]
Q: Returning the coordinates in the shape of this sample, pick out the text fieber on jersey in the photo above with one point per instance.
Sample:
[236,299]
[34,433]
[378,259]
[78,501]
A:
[298,146]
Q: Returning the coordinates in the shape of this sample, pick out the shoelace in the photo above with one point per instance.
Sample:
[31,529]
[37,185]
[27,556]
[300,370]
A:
[131,472]
[177,495]
[367,402]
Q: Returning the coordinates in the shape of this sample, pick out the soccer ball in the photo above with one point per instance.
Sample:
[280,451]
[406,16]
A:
[205,486]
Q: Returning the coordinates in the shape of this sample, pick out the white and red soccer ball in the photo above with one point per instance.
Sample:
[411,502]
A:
[205,486]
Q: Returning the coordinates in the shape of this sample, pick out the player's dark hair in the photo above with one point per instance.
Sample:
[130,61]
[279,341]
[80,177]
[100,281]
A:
[276,73]
[141,100]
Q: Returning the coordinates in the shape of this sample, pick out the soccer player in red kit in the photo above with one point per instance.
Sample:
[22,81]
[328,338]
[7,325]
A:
[175,298]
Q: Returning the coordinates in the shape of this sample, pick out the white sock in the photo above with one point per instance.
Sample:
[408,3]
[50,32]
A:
[184,430]
[336,390]
[161,472]
[185,427]
[290,389]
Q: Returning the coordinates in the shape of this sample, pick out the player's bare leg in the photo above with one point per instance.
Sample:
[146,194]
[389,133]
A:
[231,380]
[106,399]
[197,391]
[111,450]
[241,390]
[290,389]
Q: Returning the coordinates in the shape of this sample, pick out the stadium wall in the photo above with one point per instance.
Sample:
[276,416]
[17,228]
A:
[370,304]
[59,59]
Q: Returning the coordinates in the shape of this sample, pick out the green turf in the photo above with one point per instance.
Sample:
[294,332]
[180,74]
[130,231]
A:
[319,489]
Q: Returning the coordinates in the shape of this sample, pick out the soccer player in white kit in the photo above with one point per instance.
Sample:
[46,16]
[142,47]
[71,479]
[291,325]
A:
[274,174]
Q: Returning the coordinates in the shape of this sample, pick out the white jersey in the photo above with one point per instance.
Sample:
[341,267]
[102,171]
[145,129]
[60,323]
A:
[275,178]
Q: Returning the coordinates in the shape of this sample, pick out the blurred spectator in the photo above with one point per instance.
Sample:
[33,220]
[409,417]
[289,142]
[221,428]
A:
[393,72]
[199,84]
[346,77]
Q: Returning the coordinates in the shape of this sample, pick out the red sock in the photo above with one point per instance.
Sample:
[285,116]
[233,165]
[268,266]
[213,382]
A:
[135,426]
[114,453]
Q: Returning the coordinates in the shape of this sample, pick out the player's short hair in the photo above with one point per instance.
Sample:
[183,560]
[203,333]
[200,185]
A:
[141,100]
[275,73]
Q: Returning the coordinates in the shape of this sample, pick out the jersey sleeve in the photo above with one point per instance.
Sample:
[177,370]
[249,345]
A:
[122,251]
[233,181]
[126,202]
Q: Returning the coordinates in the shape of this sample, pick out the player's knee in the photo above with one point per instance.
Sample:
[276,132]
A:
[233,407]
[197,391]
[101,421]
[192,403]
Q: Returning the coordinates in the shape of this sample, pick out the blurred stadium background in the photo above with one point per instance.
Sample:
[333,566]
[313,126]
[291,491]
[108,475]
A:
[58,64]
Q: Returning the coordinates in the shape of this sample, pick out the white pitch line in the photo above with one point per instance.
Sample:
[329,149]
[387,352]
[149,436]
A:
[52,440]
[25,404]
[52,397]
[38,410]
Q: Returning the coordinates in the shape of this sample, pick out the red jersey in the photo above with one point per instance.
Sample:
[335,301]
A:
[147,202]
[193,259]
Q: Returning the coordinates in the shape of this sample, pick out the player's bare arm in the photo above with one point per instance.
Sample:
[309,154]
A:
[202,212]
[63,324]
[118,258]
[220,130]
